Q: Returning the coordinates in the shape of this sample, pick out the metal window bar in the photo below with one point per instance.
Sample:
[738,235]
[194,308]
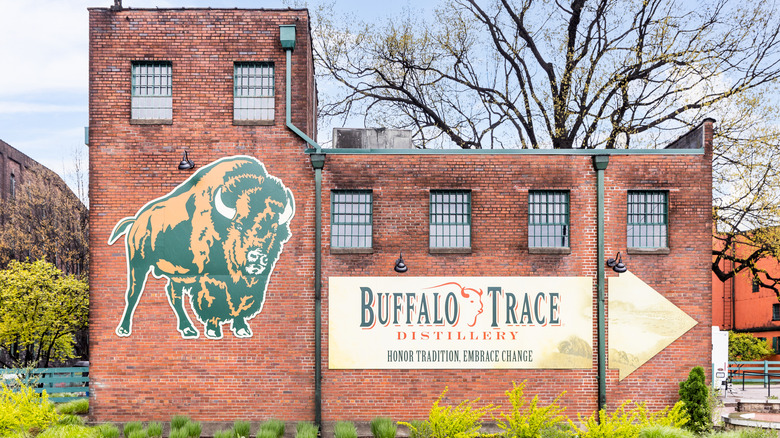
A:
[151,91]
[351,219]
[253,91]
[775,312]
[548,218]
[450,219]
[647,219]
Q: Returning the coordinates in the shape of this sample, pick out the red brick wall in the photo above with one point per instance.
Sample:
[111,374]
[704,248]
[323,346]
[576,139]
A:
[154,373]
[499,185]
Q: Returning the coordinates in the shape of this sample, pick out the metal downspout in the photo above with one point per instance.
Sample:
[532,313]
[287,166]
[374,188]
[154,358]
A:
[600,163]
[317,162]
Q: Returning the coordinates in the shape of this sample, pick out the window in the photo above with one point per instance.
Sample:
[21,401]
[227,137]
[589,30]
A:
[776,312]
[13,186]
[756,285]
[647,219]
[776,345]
[450,219]
[351,214]
[548,219]
[152,97]
[253,91]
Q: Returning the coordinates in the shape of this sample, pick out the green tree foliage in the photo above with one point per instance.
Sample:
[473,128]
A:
[695,394]
[746,347]
[40,310]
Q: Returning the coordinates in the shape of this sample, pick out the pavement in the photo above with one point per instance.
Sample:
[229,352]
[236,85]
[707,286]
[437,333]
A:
[755,401]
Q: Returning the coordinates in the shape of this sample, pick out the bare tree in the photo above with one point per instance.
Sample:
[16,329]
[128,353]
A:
[45,220]
[529,73]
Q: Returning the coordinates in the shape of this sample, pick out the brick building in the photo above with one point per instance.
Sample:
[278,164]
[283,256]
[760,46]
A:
[303,283]
[13,166]
[741,304]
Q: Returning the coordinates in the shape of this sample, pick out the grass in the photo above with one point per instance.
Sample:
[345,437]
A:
[139,433]
[272,426]
[74,407]
[154,429]
[193,429]
[345,429]
[107,430]
[242,429]
[382,427]
[131,427]
[71,420]
[305,430]
[178,421]
[227,433]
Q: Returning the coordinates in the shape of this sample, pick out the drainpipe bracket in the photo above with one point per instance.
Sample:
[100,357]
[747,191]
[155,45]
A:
[600,162]
[317,160]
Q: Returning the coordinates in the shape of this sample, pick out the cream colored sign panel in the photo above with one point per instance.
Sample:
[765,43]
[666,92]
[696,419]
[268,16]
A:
[460,322]
[642,322]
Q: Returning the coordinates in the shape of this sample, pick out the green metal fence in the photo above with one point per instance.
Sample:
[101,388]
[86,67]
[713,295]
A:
[762,372]
[62,384]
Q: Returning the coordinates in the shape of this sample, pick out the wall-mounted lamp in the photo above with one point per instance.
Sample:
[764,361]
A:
[186,163]
[400,266]
[617,264]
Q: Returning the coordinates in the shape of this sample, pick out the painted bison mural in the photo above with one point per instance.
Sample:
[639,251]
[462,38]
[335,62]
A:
[216,237]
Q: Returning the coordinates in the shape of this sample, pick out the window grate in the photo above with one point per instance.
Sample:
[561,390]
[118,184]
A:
[756,284]
[450,219]
[776,312]
[548,218]
[151,91]
[253,91]
[351,219]
[647,219]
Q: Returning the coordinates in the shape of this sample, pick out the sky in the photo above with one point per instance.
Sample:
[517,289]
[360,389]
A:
[44,76]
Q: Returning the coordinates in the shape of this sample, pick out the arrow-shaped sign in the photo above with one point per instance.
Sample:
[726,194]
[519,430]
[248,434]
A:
[641,323]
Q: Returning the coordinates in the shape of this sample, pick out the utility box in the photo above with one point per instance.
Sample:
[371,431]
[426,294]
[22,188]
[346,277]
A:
[372,138]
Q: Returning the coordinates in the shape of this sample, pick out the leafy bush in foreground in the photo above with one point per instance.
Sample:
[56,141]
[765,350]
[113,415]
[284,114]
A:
[25,410]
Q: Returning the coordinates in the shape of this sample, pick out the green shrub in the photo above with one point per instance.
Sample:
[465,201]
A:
[528,419]
[72,420]
[24,410]
[227,433]
[74,407]
[665,432]
[107,430]
[266,433]
[193,429]
[461,421]
[383,427]
[345,429]
[418,429]
[695,393]
[625,423]
[745,433]
[274,426]
[131,427]
[138,433]
[179,421]
[154,429]
[241,429]
[305,430]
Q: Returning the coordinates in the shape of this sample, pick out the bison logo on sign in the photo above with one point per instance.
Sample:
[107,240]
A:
[216,237]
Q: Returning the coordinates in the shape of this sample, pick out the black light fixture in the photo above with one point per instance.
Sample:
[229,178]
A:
[617,264]
[400,266]
[186,163]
